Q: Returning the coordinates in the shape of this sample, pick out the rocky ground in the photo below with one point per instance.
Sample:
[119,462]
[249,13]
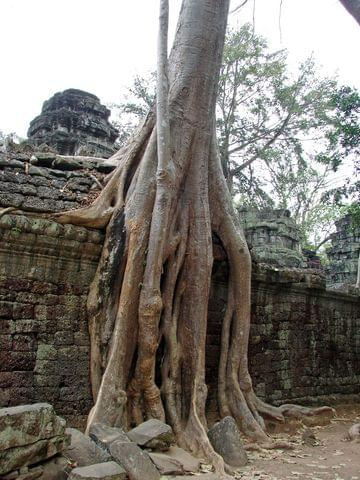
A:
[34,444]
[320,453]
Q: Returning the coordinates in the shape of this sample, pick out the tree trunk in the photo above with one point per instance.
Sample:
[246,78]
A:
[353,7]
[148,301]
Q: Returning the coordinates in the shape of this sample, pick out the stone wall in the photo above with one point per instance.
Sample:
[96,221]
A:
[344,253]
[45,272]
[304,342]
[45,182]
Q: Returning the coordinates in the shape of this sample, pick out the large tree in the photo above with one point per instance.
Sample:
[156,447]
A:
[280,137]
[353,7]
[162,205]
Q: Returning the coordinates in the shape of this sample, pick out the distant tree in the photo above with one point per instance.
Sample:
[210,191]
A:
[135,105]
[279,137]
[266,118]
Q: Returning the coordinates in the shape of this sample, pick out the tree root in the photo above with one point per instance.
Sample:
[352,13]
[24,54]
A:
[160,206]
[298,411]
[354,432]
[270,445]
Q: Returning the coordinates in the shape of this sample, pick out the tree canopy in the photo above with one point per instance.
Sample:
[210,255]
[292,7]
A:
[281,136]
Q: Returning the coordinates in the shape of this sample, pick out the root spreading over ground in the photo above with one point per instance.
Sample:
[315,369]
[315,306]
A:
[161,207]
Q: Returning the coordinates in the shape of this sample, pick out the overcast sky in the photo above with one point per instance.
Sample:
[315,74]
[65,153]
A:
[98,46]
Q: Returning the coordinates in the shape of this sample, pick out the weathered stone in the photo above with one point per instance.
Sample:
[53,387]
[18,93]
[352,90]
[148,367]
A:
[83,450]
[205,476]
[103,435]
[189,463]
[26,424]
[226,441]
[273,237]
[17,457]
[74,123]
[343,254]
[57,468]
[101,471]
[166,464]
[152,434]
[31,474]
[135,461]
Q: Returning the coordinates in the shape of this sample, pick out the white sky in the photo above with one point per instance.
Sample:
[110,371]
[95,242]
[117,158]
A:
[98,46]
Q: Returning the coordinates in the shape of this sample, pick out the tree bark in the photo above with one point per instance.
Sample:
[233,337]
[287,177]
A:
[353,7]
[148,301]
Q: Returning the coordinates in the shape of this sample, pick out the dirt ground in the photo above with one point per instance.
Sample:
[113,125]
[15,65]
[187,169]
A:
[320,453]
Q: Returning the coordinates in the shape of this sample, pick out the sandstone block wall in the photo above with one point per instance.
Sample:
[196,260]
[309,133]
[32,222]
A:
[304,340]
[45,272]
[344,253]
[45,182]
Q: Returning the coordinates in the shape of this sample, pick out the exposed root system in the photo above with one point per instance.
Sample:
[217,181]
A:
[148,302]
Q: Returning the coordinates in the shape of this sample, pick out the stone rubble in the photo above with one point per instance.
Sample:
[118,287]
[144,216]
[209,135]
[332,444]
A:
[103,435]
[103,471]
[135,461]
[226,441]
[189,463]
[29,434]
[83,450]
[152,434]
[166,464]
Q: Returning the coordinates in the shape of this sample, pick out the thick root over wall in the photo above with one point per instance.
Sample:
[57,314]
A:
[148,302]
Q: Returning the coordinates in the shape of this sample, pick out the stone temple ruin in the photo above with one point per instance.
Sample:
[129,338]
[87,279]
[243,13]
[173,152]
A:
[344,254]
[75,123]
[305,335]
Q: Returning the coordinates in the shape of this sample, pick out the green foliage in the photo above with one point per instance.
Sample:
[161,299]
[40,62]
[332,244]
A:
[354,211]
[280,137]
[136,103]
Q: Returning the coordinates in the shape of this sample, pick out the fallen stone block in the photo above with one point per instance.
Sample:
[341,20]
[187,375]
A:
[20,475]
[103,471]
[26,424]
[18,457]
[57,468]
[83,450]
[104,436]
[226,441]
[152,434]
[205,476]
[135,461]
[166,464]
[189,463]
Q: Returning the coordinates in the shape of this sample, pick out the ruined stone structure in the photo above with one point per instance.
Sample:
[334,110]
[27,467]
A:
[304,343]
[273,237]
[74,122]
[46,182]
[344,253]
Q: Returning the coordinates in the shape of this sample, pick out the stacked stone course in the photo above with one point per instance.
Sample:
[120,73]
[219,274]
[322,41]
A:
[74,123]
[344,253]
[45,272]
[304,342]
[273,237]
[46,182]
